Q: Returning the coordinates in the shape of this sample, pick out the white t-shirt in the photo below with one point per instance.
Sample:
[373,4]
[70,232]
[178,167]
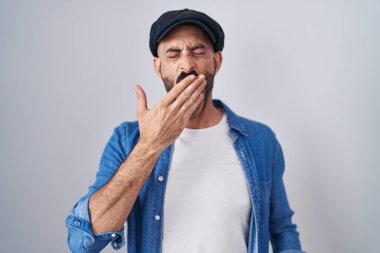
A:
[207,204]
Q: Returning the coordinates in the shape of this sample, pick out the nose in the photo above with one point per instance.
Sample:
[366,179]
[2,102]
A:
[187,63]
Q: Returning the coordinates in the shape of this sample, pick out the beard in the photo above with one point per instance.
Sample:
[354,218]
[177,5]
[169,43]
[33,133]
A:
[169,83]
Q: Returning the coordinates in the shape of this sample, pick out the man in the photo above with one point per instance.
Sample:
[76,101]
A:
[190,175]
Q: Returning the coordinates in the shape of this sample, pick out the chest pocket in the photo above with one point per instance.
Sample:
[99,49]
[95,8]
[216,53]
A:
[262,200]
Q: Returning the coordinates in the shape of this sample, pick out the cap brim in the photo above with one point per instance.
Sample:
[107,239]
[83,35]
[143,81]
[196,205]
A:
[188,21]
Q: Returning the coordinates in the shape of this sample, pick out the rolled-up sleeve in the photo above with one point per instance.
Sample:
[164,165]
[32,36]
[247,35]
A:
[81,238]
[284,235]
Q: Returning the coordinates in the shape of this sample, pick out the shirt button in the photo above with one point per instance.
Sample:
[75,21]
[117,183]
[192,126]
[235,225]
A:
[157,217]
[113,235]
[160,178]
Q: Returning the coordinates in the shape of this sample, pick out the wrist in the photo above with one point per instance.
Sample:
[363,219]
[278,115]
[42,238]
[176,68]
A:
[148,148]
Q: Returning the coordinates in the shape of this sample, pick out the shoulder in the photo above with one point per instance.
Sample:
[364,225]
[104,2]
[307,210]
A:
[258,129]
[128,127]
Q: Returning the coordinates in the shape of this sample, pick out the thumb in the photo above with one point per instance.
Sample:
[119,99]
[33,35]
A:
[141,99]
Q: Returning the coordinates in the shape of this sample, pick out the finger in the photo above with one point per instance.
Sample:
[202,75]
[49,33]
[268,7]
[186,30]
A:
[188,101]
[177,89]
[193,107]
[186,94]
[141,99]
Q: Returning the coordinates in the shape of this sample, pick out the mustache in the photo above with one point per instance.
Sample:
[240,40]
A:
[183,75]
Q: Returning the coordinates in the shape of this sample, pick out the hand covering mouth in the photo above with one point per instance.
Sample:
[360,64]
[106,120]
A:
[183,75]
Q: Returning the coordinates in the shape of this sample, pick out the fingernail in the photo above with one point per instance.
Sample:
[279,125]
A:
[201,77]
[191,77]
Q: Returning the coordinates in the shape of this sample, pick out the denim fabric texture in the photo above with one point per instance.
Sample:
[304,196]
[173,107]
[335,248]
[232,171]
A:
[263,164]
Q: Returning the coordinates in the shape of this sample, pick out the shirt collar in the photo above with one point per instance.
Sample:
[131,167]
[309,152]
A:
[233,119]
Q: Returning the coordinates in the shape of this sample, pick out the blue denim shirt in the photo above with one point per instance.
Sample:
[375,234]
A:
[261,158]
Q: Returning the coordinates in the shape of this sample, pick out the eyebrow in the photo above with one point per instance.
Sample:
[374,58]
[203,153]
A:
[173,49]
[178,50]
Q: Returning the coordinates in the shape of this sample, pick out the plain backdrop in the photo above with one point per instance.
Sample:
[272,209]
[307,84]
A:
[308,69]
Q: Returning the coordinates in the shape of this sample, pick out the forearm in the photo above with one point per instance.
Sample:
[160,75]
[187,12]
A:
[110,206]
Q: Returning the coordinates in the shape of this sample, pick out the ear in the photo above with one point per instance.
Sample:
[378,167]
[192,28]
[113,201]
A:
[157,66]
[218,60]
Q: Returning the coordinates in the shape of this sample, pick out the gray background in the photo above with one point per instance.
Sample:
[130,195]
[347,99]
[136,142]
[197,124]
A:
[308,69]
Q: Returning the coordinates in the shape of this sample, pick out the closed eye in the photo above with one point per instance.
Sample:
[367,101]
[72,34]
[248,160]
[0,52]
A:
[172,55]
[199,52]
[198,49]
[173,52]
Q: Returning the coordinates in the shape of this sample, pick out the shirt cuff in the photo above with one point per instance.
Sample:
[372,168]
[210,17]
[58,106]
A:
[79,219]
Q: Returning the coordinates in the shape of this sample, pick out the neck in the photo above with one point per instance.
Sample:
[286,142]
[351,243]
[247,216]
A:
[210,116]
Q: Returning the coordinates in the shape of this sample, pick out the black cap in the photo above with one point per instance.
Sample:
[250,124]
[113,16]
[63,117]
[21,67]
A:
[171,19]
